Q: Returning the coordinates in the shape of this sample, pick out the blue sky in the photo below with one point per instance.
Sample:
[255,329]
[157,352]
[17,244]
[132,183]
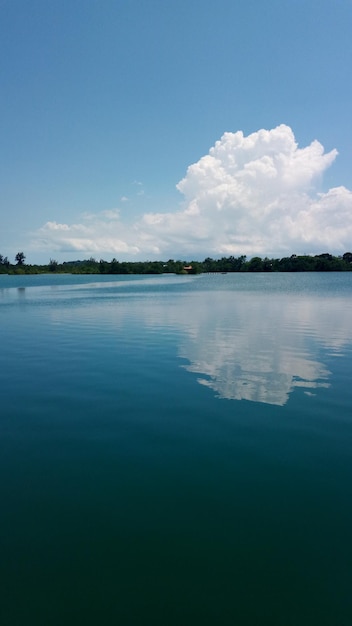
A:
[109,110]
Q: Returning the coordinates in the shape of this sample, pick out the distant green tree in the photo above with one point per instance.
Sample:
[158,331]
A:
[115,267]
[326,263]
[103,267]
[53,265]
[209,265]
[237,264]
[20,258]
[267,265]
[196,267]
[255,264]
[172,266]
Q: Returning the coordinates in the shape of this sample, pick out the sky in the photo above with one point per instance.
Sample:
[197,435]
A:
[150,130]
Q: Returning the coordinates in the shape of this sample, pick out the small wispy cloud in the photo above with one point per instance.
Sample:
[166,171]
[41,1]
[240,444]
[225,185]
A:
[111,214]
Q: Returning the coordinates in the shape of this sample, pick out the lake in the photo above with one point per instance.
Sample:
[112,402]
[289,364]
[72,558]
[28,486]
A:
[176,450]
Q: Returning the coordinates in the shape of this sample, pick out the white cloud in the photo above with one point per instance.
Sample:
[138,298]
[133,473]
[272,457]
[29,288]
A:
[249,195]
[111,214]
[98,234]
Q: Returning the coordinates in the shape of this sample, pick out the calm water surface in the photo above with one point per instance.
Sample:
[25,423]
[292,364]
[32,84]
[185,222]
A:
[176,450]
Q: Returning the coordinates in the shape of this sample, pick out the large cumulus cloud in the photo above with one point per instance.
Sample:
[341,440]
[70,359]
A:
[255,194]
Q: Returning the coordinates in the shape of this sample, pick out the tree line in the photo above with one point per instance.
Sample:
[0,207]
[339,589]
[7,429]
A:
[295,263]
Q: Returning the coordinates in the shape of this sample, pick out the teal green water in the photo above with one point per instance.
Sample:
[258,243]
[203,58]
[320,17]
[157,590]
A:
[176,450]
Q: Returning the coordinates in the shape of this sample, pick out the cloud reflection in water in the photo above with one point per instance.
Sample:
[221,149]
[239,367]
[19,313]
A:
[260,347]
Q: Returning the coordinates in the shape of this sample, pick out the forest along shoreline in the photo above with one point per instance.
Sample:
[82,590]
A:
[295,263]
